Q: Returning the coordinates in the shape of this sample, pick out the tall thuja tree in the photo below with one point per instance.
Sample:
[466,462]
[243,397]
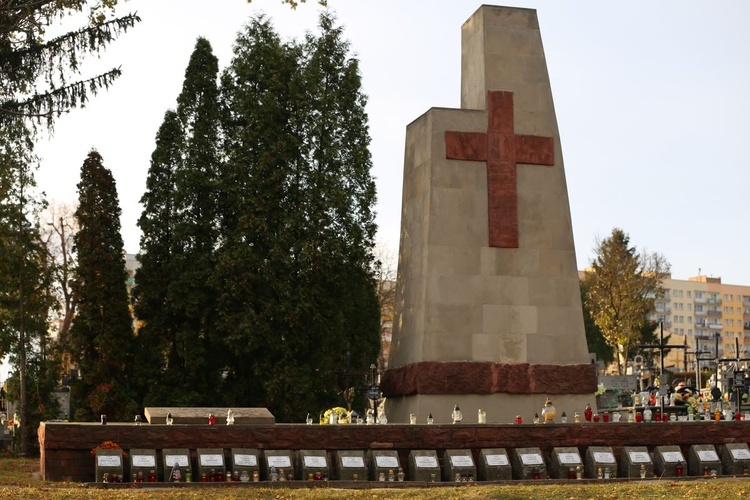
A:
[156,335]
[195,360]
[174,295]
[339,199]
[298,306]
[25,290]
[102,334]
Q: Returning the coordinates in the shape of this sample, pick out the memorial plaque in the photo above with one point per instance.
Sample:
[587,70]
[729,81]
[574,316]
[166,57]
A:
[381,461]
[350,465]
[210,460]
[143,461]
[312,461]
[563,459]
[632,458]
[108,462]
[424,466]
[735,459]
[458,462]
[493,465]
[278,459]
[703,458]
[173,459]
[245,460]
[600,456]
[528,463]
[667,460]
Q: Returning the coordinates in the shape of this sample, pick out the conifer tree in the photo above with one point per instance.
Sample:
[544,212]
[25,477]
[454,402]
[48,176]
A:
[102,334]
[621,290]
[180,233]
[25,277]
[35,70]
[297,303]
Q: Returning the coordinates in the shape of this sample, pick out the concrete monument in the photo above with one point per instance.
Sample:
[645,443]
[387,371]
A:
[488,307]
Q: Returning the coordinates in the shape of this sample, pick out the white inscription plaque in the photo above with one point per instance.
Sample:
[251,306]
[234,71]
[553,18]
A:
[144,461]
[497,460]
[386,462]
[569,458]
[673,456]
[426,462]
[462,461]
[108,460]
[212,460]
[315,462]
[708,456]
[352,462]
[531,459]
[178,460]
[604,457]
[639,457]
[280,461]
[242,460]
[741,454]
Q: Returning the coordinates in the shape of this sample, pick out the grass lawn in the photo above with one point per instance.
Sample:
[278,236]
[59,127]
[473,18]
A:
[19,478]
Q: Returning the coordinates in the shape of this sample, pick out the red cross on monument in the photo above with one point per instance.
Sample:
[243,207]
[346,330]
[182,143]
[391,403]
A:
[501,148]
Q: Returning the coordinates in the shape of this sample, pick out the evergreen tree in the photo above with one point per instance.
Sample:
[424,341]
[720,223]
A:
[298,305]
[102,333]
[29,60]
[621,291]
[25,277]
[180,233]
[156,336]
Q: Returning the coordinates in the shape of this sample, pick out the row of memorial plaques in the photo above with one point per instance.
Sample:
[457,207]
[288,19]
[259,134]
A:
[385,465]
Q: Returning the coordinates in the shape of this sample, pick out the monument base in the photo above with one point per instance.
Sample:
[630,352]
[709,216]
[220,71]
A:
[500,408]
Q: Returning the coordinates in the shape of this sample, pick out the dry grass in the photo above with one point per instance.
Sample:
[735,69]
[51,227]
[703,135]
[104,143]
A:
[19,478]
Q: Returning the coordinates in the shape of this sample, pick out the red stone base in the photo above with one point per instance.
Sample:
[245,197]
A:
[465,377]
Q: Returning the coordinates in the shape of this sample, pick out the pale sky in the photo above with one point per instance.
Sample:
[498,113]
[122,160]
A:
[652,102]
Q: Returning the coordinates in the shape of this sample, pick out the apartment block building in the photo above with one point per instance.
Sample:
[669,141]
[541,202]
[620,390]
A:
[703,314]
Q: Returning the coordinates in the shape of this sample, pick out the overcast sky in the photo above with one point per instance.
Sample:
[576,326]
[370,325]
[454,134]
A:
[652,103]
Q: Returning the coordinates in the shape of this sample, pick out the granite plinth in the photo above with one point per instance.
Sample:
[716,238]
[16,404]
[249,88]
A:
[194,416]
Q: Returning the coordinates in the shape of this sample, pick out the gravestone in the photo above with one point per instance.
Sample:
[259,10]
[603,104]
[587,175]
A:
[601,456]
[424,466]
[277,459]
[488,302]
[381,461]
[108,462]
[175,459]
[313,461]
[667,459]
[631,460]
[494,465]
[528,462]
[210,460]
[350,465]
[564,458]
[143,462]
[702,459]
[459,462]
[245,460]
[736,459]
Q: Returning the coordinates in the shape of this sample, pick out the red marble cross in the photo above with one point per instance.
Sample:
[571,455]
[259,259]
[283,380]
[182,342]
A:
[501,148]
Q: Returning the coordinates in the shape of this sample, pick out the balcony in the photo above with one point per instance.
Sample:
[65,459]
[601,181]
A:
[700,313]
[714,313]
[701,300]
[714,326]
[747,325]
[663,309]
[714,300]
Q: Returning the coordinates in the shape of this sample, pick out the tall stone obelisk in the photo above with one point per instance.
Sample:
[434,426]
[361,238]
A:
[488,305]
